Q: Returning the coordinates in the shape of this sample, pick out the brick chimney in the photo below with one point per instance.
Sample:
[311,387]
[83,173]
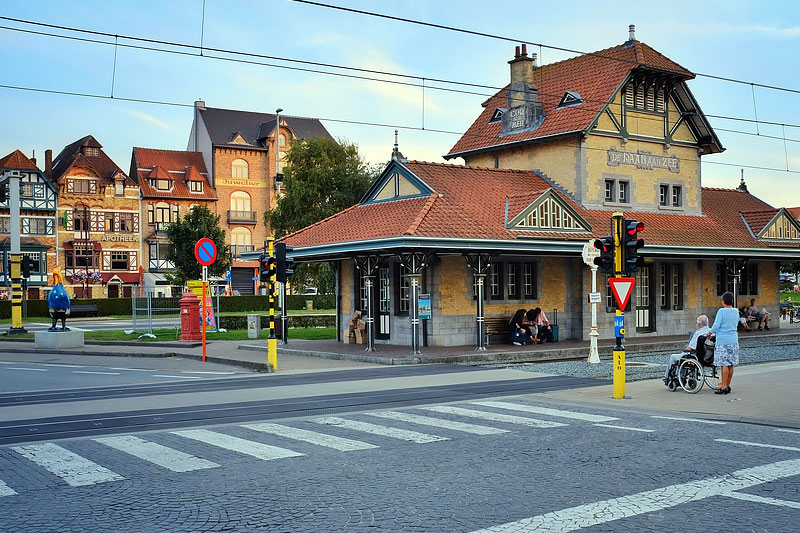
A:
[523,111]
[200,104]
[48,163]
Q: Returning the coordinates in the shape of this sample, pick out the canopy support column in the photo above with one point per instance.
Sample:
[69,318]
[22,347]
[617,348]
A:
[479,263]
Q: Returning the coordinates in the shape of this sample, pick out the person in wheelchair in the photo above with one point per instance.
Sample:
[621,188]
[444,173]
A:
[674,359]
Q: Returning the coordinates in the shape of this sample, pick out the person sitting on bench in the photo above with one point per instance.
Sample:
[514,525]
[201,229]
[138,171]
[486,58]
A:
[762,316]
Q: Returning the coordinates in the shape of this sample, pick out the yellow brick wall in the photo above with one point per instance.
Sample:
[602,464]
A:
[455,298]
[645,180]
[346,294]
[694,277]
[555,158]
[645,124]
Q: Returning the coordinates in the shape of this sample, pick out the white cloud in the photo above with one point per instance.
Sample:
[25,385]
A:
[150,119]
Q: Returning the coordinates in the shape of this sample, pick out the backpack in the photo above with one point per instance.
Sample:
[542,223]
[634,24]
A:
[518,336]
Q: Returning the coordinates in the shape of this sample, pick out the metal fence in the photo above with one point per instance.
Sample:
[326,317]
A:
[164,312]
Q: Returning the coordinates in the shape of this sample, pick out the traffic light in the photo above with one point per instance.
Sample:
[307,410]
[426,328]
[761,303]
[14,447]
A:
[28,266]
[605,261]
[285,264]
[267,267]
[631,244]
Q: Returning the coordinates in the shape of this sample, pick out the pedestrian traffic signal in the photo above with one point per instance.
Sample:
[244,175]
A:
[285,264]
[267,267]
[28,266]
[605,261]
[631,244]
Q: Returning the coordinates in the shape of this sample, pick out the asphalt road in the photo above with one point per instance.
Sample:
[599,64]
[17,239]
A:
[434,448]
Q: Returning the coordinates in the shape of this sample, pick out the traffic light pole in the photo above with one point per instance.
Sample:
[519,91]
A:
[16,268]
[272,343]
[284,322]
[619,316]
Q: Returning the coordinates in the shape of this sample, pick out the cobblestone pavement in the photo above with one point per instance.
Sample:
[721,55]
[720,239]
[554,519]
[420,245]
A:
[509,464]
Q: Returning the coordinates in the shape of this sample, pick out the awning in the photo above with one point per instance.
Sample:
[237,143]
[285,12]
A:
[82,245]
[126,278]
[151,279]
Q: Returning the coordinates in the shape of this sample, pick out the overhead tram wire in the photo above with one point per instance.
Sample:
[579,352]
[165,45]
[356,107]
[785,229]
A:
[349,121]
[202,49]
[517,40]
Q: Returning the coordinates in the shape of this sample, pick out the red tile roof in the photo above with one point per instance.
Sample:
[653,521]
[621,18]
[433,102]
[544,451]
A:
[16,160]
[469,203]
[176,165]
[795,211]
[758,219]
[594,76]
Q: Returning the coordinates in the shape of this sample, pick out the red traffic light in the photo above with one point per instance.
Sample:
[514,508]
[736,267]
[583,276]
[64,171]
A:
[601,245]
[634,227]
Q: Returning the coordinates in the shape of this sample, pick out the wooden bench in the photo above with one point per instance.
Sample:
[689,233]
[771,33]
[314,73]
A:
[83,310]
[497,325]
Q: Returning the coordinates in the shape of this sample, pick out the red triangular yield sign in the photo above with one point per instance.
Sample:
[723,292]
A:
[622,289]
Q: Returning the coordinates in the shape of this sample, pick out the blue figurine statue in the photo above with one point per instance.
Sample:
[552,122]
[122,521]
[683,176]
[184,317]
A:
[58,302]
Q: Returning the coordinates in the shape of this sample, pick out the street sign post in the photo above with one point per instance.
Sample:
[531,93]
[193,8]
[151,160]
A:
[589,254]
[205,251]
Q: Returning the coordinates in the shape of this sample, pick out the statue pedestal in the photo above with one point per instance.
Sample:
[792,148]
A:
[58,340]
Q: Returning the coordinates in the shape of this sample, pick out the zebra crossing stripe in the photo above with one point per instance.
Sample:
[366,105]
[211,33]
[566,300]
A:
[5,490]
[320,439]
[155,453]
[546,411]
[438,422]
[375,429]
[77,471]
[229,442]
[496,417]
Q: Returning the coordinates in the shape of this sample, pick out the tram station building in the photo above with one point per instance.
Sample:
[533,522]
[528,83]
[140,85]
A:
[547,162]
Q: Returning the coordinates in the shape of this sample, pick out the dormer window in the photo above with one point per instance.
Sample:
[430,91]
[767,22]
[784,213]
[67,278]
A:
[570,99]
[160,184]
[196,186]
[497,116]
[91,152]
[119,187]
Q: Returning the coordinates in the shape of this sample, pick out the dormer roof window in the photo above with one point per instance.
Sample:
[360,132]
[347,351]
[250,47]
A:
[497,116]
[570,99]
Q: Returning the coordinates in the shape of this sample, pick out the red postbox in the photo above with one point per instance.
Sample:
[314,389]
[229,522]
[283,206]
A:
[190,317]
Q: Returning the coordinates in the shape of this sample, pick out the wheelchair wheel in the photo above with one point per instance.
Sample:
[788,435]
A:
[673,385]
[690,376]
[713,377]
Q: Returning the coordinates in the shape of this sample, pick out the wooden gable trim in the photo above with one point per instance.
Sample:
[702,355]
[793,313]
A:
[580,225]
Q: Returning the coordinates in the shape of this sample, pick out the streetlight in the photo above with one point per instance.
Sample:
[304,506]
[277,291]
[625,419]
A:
[278,150]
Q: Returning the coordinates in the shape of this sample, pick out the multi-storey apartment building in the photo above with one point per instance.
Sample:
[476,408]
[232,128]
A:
[171,183]
[239,150]
[99,232]
[37,224]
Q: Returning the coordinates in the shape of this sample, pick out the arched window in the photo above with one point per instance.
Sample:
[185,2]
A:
[240,201]
[281,140]
[239,169]
[241,237]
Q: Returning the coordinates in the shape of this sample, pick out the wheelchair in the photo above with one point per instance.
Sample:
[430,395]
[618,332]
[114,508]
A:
[695,369]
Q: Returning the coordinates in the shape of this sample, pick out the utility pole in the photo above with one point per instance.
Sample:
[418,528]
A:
[13,178]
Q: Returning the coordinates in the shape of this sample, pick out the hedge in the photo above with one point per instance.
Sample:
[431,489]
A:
[122,306]
[240,322]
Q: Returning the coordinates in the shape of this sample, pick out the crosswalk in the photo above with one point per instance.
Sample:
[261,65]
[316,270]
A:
[272,442]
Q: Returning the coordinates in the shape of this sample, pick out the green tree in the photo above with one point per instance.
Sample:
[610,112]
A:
[322,177]
[184,234]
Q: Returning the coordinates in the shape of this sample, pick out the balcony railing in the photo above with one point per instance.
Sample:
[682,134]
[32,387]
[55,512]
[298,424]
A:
[238,249]
[160,227]
[241,217]
[159,265]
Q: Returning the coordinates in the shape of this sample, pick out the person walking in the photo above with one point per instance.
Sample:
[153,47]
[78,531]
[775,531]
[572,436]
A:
[726,350]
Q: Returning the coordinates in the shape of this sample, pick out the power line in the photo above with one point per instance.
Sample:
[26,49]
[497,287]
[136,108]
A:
[201,49]
[517,40]
[353,122]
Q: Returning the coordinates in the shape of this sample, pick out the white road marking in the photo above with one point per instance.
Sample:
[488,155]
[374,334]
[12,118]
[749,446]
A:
[94,372]
[546,411]
[247,447]
[625,427]
[77,471]
[438,422]
[690,420]
[375,429]
[760,499]
[592,514]
[163,456]
[5,490]
[788,430]
[177,377]
[320,439]
[9,362]
[210,373]
[31,369]
[496,417]
[759,445]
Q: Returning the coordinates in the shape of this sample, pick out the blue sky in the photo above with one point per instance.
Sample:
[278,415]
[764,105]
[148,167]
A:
[750,41]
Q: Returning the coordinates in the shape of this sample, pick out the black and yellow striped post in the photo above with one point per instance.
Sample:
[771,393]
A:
[16,294]
[618,354]
[272,342]
[13,177]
